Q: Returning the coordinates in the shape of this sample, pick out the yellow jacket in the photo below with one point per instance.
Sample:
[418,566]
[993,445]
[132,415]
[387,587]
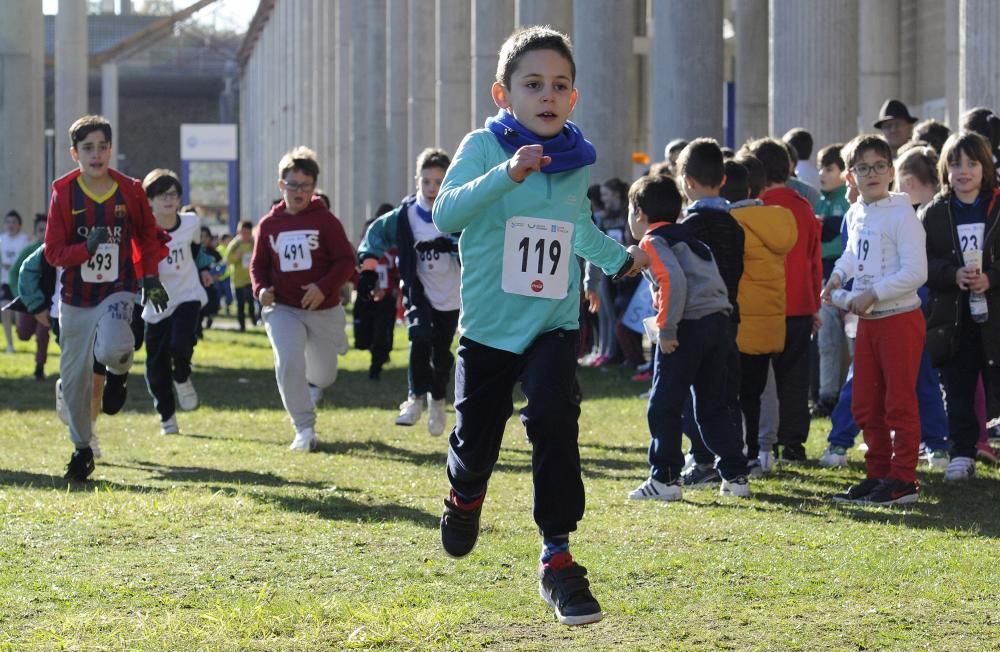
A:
[770,234]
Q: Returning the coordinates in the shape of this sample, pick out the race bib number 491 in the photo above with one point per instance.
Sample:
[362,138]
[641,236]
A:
[294,252]
[536,256]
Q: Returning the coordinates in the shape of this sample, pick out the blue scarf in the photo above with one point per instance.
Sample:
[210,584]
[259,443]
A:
[569,149]
[718,204]
[422,214]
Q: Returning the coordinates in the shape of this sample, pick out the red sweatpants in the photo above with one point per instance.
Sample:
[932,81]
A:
[886,363]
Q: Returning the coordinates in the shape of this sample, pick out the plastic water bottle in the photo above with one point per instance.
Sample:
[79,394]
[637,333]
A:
[977,306]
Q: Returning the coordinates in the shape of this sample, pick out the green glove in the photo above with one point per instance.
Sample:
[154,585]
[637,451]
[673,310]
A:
[154,294]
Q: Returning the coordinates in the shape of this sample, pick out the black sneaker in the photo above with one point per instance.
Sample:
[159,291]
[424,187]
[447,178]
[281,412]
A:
[459,527]
[701,476]
[81,465]
[893,492]
[858,493]
[793,454]
[115,393]
[563,584]
[39,372]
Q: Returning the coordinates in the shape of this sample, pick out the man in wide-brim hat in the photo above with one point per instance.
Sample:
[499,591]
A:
[896,123]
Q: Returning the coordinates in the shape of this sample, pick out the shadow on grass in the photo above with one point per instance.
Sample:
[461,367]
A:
[10,478]
[204,475]
[338,508]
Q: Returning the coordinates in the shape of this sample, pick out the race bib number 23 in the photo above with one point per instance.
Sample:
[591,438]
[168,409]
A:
[536,256]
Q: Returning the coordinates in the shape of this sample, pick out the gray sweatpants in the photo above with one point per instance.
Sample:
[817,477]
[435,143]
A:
[306,344]
[768,434]
[103,332]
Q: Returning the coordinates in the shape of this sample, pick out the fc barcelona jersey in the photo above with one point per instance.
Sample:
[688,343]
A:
[109,269]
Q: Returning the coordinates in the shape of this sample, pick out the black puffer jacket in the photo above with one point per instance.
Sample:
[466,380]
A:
[948,304]
[725,237]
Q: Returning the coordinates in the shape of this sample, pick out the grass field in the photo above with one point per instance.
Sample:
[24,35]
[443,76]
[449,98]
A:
[221,539]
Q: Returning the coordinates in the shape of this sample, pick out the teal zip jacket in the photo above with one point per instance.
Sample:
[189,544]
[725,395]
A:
[479,198]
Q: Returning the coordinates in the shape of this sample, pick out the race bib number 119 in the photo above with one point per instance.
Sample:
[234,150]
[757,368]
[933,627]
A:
[536,257]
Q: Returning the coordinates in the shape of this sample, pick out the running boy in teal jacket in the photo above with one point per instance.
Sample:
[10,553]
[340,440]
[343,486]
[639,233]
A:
[517,190]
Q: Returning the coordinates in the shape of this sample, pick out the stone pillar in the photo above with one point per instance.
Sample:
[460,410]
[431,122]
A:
[492,23]
[22,79]
[109,104]
[377,136]
[809,87]
[71,68]
[979,77]
[878,58]
[306,61]
[422,112]
[361,108]
[952,64]
[558,14]
[343,113]
[397,95]
[318,77]
[687,73]
[751,70]
[603,81]
[454,73]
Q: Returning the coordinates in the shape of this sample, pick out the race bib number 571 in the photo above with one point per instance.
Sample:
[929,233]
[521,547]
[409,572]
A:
[536,256]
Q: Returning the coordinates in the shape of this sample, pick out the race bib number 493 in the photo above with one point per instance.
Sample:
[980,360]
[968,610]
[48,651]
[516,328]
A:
[102,267]
[536,256]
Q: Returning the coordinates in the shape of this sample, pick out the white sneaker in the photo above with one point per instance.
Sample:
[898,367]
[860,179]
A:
[169,427]
[61,408]
[833,456]
[862,447]
[410,411]
[652,489]
[738,487]
[937,460]
[187,397]
[688,463]
[316,394]
[960,469]
[766,459]
[435,417]
[304,441]
[95,446]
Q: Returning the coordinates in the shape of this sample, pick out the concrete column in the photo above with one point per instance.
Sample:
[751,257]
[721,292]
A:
[603,82]
[70,76]
[397,95]
[377,135]
[878,58]
[306,65]
[22,160]
[247,149]
[454,72]
[109,104]
[979,78]
[326,23]
[558,14]
[952,65]
[809,87]
[687,73]
[492,23]
[751,70]
[422,111]
[343,114]
[317,77]
[361,107]
[288,37]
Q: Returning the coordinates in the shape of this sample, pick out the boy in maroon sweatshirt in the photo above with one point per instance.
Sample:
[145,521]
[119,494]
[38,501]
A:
[301,258]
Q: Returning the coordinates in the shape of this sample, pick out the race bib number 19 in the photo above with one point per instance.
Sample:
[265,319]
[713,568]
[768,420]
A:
[537,253]
[102,266]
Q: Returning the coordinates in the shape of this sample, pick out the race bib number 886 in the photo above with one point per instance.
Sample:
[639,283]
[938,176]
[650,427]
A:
[536,257]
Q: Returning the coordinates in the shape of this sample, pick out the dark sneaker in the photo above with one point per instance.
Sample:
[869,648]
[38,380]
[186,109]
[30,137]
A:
[893,492]
[822,409]
[115,393]
[701,476]
[793,454]
[563,585]
[859,492]
[460,526]
[81,465]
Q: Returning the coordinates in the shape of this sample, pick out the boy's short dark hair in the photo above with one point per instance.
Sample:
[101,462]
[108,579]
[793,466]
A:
[83,127]
[15,215]
[661,169]
[702,161]
[657,196]
[737,185]
[160,181]
[40,217]
[246,224]
[920,162]
[802,141]
[617,186]
[855,149]
[594,195]
[984,122]
[756,178]
[323,197]
[432,157]
[977,148]
[830,155]
[931,132]
[525,40]
[299,159]
[206,231]
[774,156]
